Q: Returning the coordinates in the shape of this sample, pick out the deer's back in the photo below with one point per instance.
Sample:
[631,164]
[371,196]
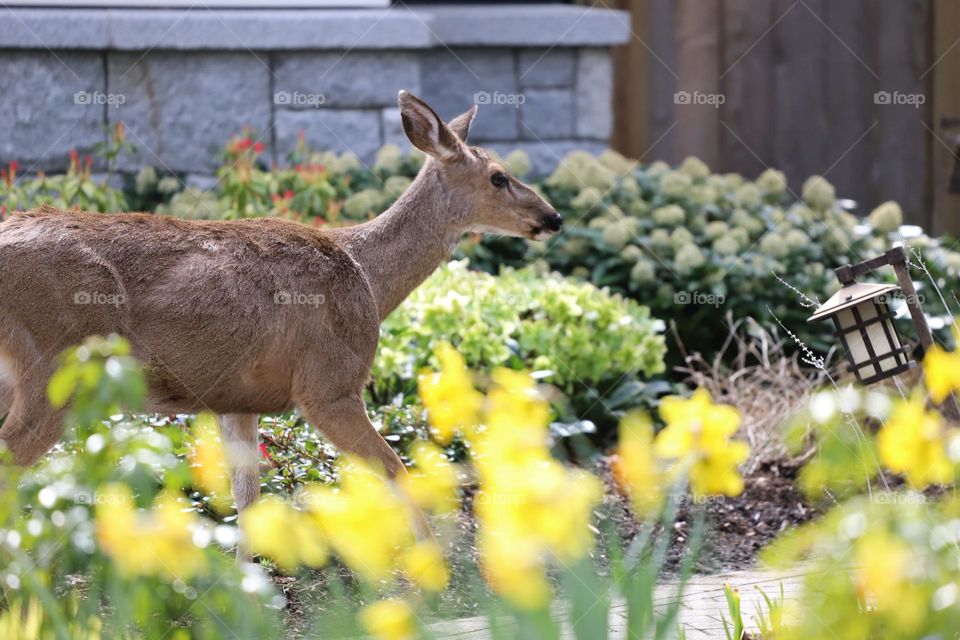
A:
[207,304]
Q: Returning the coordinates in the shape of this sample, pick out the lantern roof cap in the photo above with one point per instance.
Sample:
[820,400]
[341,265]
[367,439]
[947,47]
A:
[850,295]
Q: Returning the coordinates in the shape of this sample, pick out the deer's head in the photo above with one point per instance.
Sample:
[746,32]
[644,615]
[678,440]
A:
[489,198]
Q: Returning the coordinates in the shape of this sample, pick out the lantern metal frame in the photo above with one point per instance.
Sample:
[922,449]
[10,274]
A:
[901,355]
[896,258]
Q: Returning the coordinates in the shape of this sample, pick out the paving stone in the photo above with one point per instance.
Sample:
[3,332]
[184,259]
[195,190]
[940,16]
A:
[700,615]
[180,109]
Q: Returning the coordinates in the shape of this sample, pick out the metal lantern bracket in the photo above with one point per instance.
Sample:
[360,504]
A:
[897,258]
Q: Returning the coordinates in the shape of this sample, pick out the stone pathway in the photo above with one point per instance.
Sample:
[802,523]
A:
[701,612]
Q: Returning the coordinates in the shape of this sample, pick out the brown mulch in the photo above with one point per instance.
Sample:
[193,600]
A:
[737,528]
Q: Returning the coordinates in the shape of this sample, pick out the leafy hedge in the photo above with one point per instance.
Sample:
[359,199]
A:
[694,245]
[593,346]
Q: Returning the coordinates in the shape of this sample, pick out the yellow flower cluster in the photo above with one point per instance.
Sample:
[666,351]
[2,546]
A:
[911,442]
[941,370]
[449,396]
[699,433]
[208,462]
[156,541]
[530,507]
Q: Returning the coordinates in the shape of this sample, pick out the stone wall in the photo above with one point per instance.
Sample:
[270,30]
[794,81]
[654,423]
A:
[183,82]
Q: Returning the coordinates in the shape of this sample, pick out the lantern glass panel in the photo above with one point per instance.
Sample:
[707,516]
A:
[855,343]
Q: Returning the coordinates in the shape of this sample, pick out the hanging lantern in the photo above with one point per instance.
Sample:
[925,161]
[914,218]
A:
[865,327]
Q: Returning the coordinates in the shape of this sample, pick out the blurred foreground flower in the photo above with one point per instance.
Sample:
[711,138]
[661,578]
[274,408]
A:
[390,619]
[157,541]
[941,369]
[365,520]
[530,507]
[208,462]
[451,401]
[636,468]
[275,529]
[700,431]
[911,442]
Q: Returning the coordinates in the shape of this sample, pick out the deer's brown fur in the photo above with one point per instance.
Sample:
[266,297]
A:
[242,317]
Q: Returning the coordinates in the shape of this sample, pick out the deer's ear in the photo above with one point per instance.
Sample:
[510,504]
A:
[462,123]
[426,130]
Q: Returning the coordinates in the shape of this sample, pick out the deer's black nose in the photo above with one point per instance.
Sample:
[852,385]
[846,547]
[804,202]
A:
[552,221]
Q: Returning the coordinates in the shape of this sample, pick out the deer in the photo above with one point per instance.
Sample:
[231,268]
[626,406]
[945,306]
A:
[245,317]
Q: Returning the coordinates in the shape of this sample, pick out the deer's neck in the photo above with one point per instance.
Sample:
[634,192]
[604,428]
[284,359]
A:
[401,247]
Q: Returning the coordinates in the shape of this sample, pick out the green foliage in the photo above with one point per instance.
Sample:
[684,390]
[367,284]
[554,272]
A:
[73,189]
[694,245]
[52,557]
[102,379]
[593,346]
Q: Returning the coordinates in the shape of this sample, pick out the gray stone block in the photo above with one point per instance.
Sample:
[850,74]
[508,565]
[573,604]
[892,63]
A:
[51,104]
[527,25]
[344,79]
[453,80]
[547,114]
[213,28]
[546,67]
[337,130]
[545,156]
[180,109]
[594,94]
[392,128]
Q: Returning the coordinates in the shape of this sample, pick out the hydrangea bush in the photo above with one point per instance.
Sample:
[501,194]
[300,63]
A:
[694,245]
[596,347]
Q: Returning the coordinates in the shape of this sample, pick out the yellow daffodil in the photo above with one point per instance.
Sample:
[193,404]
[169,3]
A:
[530,506]
[273,528]
[941,370]
[208,461]
[432,483]
[514,568]
[700,431]
[157,541]
[346,514]
[883,564]
[423,563]
[390,619]
[635,467]
[452,402]
[911,442]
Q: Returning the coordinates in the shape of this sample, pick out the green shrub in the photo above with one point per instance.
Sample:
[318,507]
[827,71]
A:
[592,345]
[694,245]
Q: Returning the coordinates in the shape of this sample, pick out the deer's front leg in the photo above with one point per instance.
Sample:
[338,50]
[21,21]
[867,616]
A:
[345,423]
[243,456]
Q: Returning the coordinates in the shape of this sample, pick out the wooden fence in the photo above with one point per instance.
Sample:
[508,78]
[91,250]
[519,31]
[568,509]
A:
[864,92]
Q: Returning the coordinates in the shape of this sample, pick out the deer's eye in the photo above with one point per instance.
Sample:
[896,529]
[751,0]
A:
[499,180]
